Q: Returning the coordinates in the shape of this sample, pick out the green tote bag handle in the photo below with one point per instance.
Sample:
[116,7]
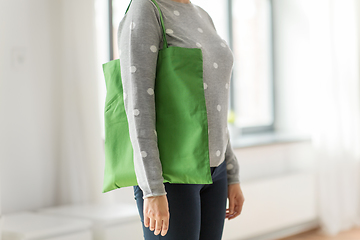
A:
[181,120]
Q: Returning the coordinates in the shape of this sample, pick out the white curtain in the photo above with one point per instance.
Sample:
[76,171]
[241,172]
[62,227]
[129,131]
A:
[81,156]
[336,115]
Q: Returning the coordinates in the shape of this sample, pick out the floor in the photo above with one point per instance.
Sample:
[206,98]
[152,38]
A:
[316,235]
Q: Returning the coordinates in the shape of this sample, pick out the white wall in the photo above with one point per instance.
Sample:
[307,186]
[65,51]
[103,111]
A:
[27,104]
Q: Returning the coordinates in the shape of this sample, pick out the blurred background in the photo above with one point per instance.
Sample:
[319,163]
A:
[294,118]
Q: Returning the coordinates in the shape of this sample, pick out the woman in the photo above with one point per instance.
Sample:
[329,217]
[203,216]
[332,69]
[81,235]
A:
[178,211]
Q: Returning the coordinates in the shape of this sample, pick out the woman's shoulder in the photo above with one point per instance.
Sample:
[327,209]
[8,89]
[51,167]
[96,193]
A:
[202,11]
[205,14]
[143,17]
[141,7]
[141,11]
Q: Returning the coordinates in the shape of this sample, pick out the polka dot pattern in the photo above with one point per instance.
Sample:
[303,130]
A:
[132,69]
[150,91]
[143,154]
[153,48]
[218,153]
[229,166]
[132,25]
[216,89]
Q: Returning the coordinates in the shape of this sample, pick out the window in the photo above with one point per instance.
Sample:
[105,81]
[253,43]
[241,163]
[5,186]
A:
[247,26]
[252,83]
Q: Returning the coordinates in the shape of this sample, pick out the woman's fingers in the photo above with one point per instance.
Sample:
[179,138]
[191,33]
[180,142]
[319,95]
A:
[158,226]
[239,206]
[227,213]
[237,209]
[165,227]
[231,205]
[146,220]
[152,224]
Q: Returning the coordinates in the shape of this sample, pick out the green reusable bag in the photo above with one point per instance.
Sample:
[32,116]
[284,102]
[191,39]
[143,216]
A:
[181,120]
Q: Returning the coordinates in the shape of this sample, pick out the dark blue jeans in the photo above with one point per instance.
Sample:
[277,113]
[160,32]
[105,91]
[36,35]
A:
[197,211]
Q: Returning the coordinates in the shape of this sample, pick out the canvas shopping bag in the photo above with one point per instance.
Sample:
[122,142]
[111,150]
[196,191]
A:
[181,120]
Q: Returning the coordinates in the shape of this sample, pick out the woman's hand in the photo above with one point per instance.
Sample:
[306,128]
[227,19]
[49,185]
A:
[156,214]
[236,201]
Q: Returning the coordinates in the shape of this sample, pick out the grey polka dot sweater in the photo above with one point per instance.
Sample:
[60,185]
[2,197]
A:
[139,40]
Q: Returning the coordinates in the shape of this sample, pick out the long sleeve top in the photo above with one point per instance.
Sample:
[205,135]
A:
[139,40]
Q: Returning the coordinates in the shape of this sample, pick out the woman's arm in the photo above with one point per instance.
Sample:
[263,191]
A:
[139,38]
[235,195]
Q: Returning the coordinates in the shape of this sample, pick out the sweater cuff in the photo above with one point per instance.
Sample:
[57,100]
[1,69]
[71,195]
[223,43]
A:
[158,191]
